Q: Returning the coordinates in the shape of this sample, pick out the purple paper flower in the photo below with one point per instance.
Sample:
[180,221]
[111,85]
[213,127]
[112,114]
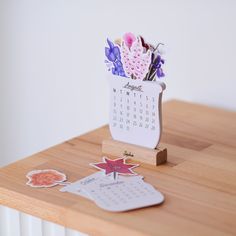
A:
[113,55]
[156,64]
[118,69]
[113,52]
[160,73]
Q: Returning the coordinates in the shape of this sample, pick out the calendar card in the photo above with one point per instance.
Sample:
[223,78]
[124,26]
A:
[77,187]
[135,90]
[123,194]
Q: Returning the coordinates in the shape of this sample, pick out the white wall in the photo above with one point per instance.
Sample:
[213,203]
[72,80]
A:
[52,76]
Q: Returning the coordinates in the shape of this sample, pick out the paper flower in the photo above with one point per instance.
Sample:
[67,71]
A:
[136,62]
[113,55]
[117,166]
[113,52]
[144,44]
[45,178]
[132,57]
[157,63]
[129,38]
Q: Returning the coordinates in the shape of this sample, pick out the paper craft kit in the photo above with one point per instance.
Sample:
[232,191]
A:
[135,70]
[135,125]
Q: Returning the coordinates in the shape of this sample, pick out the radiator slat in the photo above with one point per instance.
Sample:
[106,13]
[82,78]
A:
[9,222]
[51,229]
[30,225]
[15,223]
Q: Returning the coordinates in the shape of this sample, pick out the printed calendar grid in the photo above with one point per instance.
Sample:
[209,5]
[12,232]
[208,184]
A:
[123,193]
[133,109]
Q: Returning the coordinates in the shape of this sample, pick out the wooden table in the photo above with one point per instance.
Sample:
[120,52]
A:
[198,181]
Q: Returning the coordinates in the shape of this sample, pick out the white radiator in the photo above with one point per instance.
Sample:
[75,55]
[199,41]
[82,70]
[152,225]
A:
[15,223]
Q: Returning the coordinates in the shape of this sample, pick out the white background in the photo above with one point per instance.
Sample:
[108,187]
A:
[52,75]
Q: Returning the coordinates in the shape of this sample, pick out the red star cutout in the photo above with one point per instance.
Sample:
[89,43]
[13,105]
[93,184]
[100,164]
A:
[115,166]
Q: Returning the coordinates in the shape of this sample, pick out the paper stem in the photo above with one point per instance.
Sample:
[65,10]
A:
[114,174]
[158,46]
[152,75]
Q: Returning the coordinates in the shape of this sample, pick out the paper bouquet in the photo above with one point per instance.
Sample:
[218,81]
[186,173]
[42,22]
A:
[132,57]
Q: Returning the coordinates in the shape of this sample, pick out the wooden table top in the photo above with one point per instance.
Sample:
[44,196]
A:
[198,181]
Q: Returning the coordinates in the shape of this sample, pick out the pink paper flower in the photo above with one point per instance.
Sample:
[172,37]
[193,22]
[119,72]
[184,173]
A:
[129,38]
[136,62]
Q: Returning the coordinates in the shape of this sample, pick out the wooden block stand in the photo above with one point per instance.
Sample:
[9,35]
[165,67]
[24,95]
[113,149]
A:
[146,155]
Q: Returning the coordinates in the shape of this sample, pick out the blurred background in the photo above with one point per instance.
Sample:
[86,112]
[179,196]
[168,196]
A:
[53,83]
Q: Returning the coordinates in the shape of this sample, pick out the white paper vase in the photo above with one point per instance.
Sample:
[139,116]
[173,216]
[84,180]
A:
[135,111]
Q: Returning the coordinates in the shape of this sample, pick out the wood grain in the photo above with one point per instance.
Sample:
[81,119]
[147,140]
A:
[198,180]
